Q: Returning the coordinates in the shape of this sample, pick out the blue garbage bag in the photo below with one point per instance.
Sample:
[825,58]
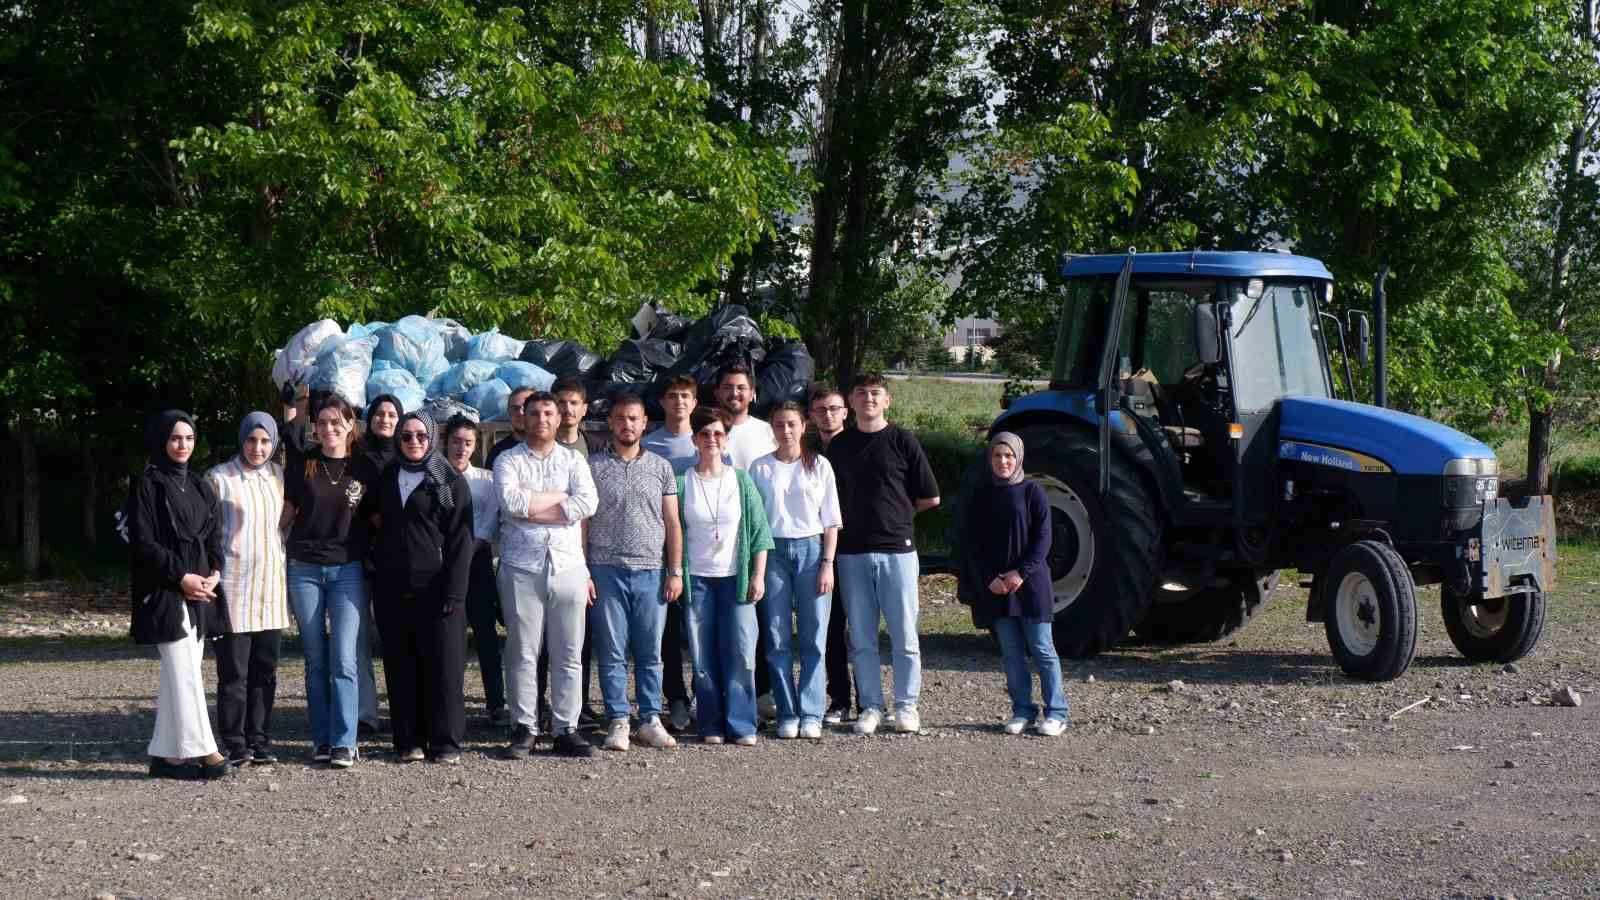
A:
[383,365]
[461,377]
[493,345]
[418,350]
[456,336]
[366,328]
[518,374]
[489,399]
[402,384]
[344,368]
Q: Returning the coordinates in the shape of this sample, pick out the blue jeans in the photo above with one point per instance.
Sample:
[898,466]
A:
[1020,639]
[629,614]
[792,594]
[331,598]
[882,584]
[722,640]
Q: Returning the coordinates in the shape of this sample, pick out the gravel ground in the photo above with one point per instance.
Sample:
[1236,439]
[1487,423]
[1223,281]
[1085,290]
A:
[1263,773]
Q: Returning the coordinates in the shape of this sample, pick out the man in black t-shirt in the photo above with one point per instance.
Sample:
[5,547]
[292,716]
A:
[884,481]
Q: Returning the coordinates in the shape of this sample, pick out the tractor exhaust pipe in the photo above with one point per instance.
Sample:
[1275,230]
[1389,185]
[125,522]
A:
[1380,356]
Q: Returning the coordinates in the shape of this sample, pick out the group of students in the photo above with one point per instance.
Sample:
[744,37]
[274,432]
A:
[760,544]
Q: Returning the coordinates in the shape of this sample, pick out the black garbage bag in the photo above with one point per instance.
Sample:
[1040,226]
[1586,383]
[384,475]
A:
[727,335]
[670,326]
[601,393]
[640,361]
[785,374]
[563,359]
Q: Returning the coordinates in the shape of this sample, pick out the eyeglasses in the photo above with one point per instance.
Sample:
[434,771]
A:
[828,410]
[415,437]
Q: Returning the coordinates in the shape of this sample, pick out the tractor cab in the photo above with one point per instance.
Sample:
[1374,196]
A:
[1192,444]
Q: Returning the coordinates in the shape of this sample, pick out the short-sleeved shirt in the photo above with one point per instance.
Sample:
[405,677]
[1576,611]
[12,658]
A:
[627,528]
[800,503]
[750,440]
[880,474]
[677,449]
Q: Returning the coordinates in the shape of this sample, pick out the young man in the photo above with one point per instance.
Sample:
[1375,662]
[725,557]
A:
[637,519]
[572,403]
[519,434]
[827,413]
[483,599]
[884,480]
[749,438]
[674,442]
[545,492]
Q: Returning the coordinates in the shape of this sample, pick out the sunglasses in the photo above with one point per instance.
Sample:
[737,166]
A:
[415,437]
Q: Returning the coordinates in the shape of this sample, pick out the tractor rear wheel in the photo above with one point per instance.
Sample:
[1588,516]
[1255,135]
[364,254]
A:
[1209,615]
[1103,555]
[1502,629]
[1370,601]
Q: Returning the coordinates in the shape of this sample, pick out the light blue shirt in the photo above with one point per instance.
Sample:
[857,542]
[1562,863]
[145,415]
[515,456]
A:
[678,449]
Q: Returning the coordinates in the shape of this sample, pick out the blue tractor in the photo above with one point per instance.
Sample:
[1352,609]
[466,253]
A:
[1192,445]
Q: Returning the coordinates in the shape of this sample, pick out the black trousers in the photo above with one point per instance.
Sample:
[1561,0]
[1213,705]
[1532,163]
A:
[483,613]
[763,671]
[672,686]
[836,659]
[424,665]
[247,683]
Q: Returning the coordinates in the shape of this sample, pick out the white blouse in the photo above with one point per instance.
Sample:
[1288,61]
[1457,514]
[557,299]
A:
[799,504]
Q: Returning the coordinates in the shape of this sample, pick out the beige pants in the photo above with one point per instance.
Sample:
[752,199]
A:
[183,726]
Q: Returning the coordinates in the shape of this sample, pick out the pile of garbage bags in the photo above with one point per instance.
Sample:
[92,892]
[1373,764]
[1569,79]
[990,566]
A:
[442,367]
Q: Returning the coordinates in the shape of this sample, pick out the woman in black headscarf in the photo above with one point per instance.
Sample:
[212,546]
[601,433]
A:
[423,559]
[377,453]
[175,531]
[380,447]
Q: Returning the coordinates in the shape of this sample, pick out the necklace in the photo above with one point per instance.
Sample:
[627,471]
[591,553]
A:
[716,508]
[329,472]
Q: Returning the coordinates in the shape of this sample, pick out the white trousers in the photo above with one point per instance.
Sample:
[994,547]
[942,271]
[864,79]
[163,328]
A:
[541,608]
[183,725]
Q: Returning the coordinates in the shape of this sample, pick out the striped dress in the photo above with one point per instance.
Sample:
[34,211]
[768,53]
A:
[254,581]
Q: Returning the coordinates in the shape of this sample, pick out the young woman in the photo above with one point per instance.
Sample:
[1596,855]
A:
[175,532]
[324,488]
[802,502]
[249,489]
[726,540]
[378,450]
[422,560]
[1010,528]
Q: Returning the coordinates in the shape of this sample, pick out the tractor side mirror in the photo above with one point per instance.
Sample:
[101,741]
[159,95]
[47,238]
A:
[1207,342]
[1362,328]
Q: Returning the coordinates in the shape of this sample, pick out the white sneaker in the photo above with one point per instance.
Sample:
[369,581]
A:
[835,715]
[1051,727]
[766,706]
[811,730]
[789,728]
[907,721]
[616,736]
[652,734]
[748,740]
[1016,725]
[679,716]
[712,739]
[868,721]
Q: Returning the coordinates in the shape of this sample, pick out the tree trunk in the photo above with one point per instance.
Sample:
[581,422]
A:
[10,490]
[652,33]
[856,79]
[32,528]
[91,497]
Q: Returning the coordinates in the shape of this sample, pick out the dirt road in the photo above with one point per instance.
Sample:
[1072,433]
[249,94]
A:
[1265,773]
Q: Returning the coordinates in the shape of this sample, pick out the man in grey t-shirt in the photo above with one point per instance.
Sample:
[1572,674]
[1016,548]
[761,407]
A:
[635,528]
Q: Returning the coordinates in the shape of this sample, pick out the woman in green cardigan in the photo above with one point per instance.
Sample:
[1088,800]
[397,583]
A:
[725,544]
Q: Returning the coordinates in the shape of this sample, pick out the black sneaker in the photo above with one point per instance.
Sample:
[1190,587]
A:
[263,755]
[160,768]
[323,753]
[243,756]
[571,743]
[342,757]
[521,742]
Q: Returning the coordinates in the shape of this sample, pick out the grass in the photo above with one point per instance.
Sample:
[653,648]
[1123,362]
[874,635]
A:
[950,419]
[1574,456]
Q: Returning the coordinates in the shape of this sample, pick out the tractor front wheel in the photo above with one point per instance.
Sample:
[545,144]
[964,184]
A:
[1501,629]
[1370,601]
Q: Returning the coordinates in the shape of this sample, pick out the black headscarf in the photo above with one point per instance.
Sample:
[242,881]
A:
[381,450]
[189,509]
[440,474]
[155,440]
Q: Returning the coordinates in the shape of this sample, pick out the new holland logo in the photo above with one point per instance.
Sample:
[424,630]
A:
[1334,457]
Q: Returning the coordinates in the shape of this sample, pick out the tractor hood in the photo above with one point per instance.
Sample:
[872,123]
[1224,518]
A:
[1407,444]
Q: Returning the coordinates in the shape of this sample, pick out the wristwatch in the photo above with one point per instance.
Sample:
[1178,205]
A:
[675,572]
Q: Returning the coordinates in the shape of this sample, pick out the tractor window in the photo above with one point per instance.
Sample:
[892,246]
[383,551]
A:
[1168,334]
[1276,347]
[1081,331]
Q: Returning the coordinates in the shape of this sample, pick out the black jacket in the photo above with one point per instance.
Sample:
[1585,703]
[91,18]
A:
[162,556]
[421,549]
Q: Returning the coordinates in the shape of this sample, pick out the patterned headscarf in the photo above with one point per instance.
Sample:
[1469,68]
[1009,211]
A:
[440,474]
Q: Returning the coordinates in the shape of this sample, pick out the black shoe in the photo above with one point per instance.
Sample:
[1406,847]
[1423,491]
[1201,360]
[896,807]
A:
[521,742]
[571,743]
[220,769]
[343,757]
[323,753]
[412,754]
[589,720]
[448,758]
[244,756]
[160,768]
[263,755]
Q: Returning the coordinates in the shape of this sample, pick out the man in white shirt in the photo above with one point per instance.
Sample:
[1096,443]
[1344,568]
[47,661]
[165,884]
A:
[749,438]
[483,600]
[545,491]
